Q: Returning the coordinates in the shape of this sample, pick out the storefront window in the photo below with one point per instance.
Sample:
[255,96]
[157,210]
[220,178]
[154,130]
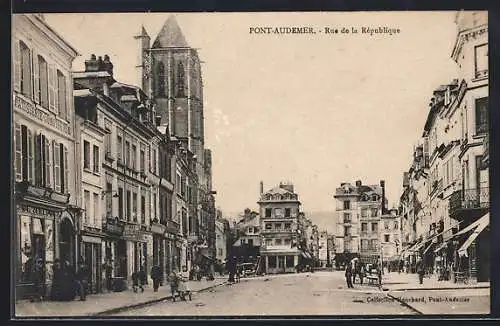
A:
[272,261]
[32,245]
[289,261]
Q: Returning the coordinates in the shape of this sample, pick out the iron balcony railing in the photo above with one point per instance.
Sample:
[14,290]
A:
[469,199]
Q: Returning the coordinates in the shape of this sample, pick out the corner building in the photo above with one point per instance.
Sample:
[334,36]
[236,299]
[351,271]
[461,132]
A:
[279,211]
[46,212]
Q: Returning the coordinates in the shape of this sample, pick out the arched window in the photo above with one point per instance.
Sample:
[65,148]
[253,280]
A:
[160,79]
[180,79]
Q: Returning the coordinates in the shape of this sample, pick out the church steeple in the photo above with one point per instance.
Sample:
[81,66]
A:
[170,35]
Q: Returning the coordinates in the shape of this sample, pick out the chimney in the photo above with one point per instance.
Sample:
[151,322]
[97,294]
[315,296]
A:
[261,187]
[91,64]
[107,65]
[382,185]
[358,183]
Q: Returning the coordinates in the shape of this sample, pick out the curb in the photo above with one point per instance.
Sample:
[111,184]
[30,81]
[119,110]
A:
[147,303]
[434,289]
[418,312]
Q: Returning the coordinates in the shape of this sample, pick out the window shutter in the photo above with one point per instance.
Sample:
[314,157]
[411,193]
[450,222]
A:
[69,96]
[66,170]
[38,160]
[57,166]
[17,66]
[35,77]
[52,88]
[30,156]
[19,154]
[48,164]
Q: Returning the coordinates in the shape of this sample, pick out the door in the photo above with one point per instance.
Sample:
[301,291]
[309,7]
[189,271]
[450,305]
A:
[281,264]
[67,241]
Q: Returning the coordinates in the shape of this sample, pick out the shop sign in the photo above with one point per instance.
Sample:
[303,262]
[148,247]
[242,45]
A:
[20,104]
[86,238]
[157,228]
[113,228]
[36,211]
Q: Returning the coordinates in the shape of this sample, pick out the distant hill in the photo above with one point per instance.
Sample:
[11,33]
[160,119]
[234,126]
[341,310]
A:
[324,220]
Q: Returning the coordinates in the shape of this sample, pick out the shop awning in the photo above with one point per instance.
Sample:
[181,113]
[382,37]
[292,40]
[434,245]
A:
[485,218]
[428,247]
[484,223]
[440,247]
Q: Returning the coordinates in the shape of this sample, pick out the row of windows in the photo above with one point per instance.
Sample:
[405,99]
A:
[41,161]
[280,261]
[286,196]
[278,242]
[278,226]
[278,212]
[91,204]
[95,157]
[161,83]
[41,82]
[369,244]
[128,205]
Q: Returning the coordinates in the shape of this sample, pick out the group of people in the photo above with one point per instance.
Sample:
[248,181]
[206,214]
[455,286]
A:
[68,283]
[359,269]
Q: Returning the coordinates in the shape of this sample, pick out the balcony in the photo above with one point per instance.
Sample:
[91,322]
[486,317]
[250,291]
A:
[469,204]
[172,227]
[269,231]
[486,152]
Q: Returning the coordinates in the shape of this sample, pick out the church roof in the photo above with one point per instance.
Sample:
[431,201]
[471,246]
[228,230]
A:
[170,35]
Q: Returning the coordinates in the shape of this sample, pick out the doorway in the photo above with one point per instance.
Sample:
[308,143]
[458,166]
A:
[67,241]
[281,264]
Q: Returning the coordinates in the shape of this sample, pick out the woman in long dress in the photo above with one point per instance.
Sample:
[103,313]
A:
[183,283]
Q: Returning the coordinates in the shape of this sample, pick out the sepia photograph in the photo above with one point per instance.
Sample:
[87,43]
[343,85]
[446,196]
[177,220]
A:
[250,164]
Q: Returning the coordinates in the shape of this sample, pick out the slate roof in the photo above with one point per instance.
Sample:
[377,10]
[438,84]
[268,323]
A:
[170,35]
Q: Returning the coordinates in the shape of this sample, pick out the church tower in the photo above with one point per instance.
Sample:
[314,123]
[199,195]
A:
[172,73]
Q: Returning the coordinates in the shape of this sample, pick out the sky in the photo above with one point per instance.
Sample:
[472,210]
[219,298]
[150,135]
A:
[314,109]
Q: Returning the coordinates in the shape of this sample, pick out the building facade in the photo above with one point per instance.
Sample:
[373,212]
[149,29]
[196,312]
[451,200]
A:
[45,193]
[323,249]
[170,72]
[129,169]
[358,210]
[390,239]
[451,228]
[279,211]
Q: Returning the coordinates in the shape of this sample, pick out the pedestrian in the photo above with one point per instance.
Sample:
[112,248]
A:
[108,270]
[348,275]
[420,271]
[135,281]
[82,280]
[362,272]
[231,268]
[173,280]
[142,278]
[57,281]
[183,285]
[156,277]
[37,277]
[68,288]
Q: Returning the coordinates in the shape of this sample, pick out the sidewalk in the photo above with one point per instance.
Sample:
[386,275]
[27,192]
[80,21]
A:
[101,304]
[400,282]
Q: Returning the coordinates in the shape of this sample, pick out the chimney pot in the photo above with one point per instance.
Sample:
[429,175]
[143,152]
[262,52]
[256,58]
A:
[358,183]
[261,187]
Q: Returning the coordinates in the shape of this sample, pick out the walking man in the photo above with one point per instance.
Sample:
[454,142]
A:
[82,280]
[420,271]
[348,275]
[156,276]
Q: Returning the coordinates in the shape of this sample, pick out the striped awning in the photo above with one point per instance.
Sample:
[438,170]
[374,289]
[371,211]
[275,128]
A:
[440,247]
[479,228]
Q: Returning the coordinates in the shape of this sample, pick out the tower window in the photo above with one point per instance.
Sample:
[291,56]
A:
[160,80]
[180,79]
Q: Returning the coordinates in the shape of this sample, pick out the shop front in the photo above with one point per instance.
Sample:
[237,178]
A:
[133,250]
[44,231]
[92,254]
[115,255]
[159,249]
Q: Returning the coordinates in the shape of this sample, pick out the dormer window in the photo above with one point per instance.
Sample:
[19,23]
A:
[374,197]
